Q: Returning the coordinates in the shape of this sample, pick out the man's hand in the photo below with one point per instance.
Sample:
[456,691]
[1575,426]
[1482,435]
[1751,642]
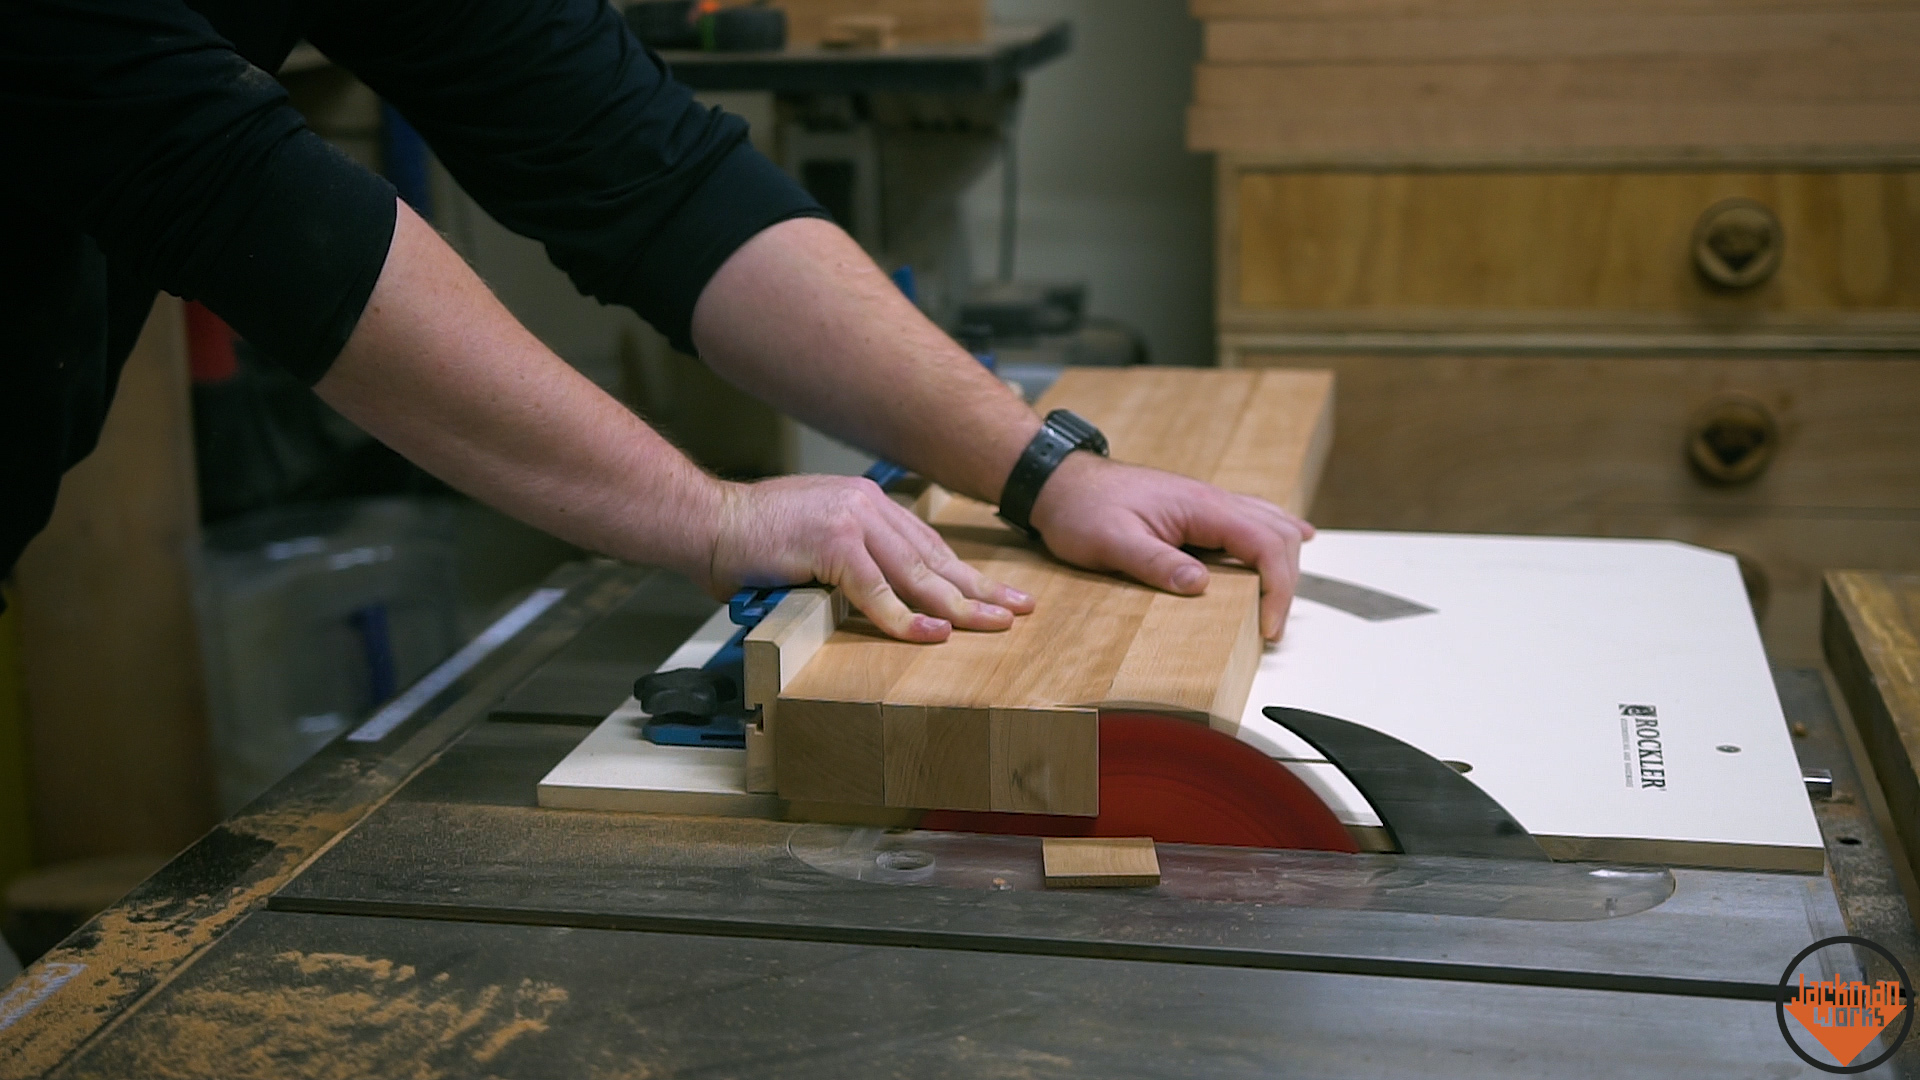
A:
[1105,515]
[845,532]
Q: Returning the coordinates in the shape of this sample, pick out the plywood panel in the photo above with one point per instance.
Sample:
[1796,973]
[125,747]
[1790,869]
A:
[1092,638]
[1338,241]
[1872,637]
[109,650]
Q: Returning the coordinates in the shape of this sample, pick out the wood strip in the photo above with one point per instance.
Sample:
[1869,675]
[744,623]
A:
[1883,35]
[1046,761]
[1175,663]
[776,651]
[1128,862]
[1870,628]
[1266,456]
[1301,128]
[938,756]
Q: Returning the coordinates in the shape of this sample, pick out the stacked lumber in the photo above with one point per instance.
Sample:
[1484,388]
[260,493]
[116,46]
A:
[1340,78]
[1009,721]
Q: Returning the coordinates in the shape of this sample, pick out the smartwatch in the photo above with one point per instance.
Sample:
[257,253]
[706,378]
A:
[1060,434]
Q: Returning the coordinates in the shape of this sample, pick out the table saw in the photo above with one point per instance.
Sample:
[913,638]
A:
[402,907]
[404,904]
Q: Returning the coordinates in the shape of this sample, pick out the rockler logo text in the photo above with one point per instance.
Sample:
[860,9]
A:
[1644,757]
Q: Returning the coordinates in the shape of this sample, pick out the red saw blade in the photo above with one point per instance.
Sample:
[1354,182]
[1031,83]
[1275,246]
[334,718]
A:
[1180,783]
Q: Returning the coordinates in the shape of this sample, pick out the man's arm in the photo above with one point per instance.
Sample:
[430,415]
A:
[801,316]
[438,370]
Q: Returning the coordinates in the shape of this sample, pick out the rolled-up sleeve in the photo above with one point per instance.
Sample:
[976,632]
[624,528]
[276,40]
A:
[137,122]
[567,130]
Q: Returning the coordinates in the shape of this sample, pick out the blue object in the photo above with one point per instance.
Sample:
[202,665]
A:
[376,647]
[725,728]
[729,667]
[903,278]
[886,473]
[748,606]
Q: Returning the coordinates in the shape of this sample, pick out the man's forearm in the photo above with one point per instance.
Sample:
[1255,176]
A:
[440,371]
[801,317]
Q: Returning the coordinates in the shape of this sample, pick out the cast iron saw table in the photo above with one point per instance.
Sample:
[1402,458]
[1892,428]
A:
[401,907]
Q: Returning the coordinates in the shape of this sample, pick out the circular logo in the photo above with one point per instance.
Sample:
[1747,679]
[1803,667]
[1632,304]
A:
[1844,1016]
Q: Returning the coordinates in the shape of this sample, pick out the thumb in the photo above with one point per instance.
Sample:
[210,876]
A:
[1152,561]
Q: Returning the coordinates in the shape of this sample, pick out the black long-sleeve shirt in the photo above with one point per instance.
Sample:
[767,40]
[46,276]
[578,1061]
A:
[144,146]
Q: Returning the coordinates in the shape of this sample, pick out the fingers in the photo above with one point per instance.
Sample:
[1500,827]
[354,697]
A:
[861,578]
[1268,539]
[920,583]
[1141,555]
[933,550]
[890,564]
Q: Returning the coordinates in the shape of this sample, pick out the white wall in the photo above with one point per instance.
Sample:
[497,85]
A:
[1108,191]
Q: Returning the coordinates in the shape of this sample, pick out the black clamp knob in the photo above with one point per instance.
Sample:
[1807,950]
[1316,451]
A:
[690,692]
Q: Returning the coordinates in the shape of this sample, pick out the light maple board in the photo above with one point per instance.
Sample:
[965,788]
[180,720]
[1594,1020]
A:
[616,768]
[1525,671]
[1009,721]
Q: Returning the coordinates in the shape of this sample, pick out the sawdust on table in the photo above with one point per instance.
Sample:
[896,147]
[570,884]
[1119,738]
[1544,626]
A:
[333,1016]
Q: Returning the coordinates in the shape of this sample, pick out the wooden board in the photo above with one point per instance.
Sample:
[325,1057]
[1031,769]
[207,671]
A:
[616,768]
[1080,862]
[1871,628]
[918,22]
[1008,721]
[109,651]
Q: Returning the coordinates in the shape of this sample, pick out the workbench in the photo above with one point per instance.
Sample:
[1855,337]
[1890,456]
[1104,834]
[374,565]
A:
[399,906]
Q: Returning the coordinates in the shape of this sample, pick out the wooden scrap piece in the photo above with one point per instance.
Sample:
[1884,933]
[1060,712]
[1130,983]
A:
[1080,862]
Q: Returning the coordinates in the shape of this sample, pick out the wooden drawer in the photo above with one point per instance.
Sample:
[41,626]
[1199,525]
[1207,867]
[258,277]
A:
[1595,249]
[1605,446]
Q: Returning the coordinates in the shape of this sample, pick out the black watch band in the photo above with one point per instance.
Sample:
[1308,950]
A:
[1060,434]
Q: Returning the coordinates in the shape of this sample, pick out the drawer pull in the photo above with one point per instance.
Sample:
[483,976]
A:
[1737,243]
[1732,441]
